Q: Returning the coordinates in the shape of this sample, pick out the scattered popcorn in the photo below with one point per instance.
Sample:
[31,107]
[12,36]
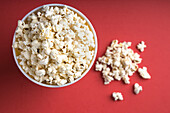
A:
[143,73]
[117,96]
[141,46]
[119,62]
[55,45]
[126,79]
[137,88]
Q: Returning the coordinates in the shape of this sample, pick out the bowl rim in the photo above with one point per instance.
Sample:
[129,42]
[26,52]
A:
[86,71]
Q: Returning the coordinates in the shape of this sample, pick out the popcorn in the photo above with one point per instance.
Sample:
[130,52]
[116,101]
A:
[69,73]
[143,73]
[117,96]
[39,56]
[71,79]
[22,63]
[44,61]
[54,54]
[40,72]
[137,88]
[107,79]
[106,71]
[15,45]
[119,62]
[47,51]
[56,45]
[62,69]
[50,42]
[57,28]
[77,74]
[60,81]
[50,80]
[141,46]
[126,79]
[98,66]
[36,78]
[26,54]
[117,77]
[35,44]
[34,59]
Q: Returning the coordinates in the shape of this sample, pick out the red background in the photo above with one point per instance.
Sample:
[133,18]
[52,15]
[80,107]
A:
[123,20]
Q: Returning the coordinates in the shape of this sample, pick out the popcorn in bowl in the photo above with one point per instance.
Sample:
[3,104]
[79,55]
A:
[55,45]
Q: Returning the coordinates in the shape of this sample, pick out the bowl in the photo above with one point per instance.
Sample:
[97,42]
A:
[86,71]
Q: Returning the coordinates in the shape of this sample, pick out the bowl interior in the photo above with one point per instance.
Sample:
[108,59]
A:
[95,38]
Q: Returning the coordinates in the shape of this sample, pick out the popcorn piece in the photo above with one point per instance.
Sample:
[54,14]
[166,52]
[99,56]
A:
[40,72]
[107,79]
[117,96]
[62,69]
[62,82]
[36,78]
[15,45]
[26,55]
[35,44]
[40,56]
[117,77]
[141,46]
[44,61]
[126,79]
[137,88]
[143,73]
[54,54]
[71,78]
[77,74]
[106,71]
[34,59]
[98,66]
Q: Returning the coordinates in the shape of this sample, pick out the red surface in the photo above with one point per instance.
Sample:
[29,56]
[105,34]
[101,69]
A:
[123,20]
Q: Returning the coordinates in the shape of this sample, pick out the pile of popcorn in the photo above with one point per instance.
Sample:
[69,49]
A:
[119,63]
[55,45]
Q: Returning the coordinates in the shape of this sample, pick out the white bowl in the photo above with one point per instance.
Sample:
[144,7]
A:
[95,37]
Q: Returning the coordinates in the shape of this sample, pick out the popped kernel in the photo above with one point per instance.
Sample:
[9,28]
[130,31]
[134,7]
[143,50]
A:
[117,96]
[137,88]
[141,46]
[144,73]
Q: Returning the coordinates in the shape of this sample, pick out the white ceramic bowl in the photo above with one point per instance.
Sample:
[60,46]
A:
[95,38]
